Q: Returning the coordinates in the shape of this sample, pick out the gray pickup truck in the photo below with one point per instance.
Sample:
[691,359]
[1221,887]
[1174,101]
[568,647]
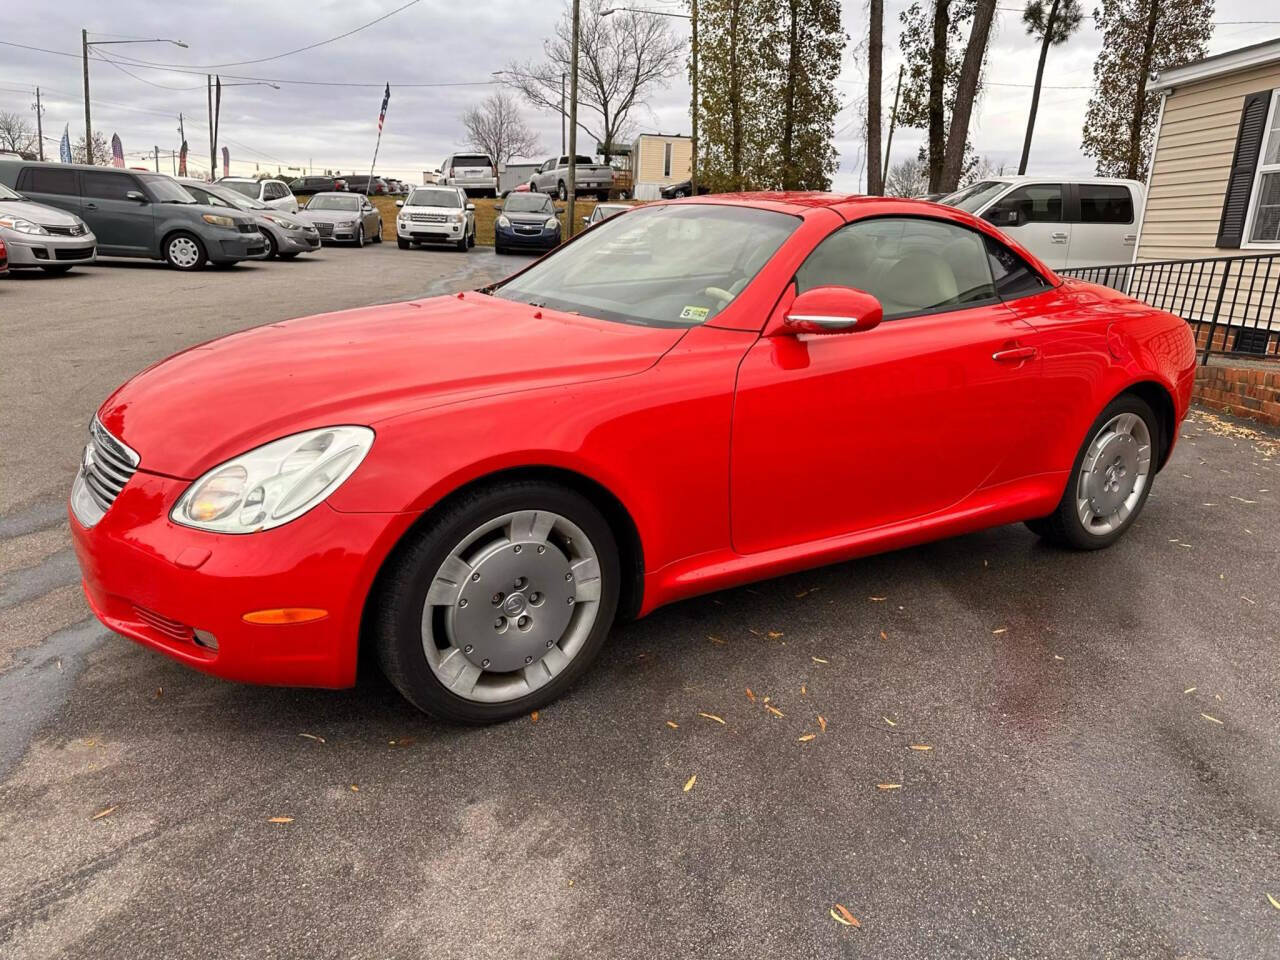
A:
[591,178]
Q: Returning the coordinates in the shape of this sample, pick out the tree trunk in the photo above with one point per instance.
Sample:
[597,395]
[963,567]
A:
[937,91]
[966,91]
[875,62]
[735,98]
[1140,95]
[789,107]
[1045,43]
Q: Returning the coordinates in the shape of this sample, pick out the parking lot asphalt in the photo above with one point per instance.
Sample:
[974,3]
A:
[1103,730]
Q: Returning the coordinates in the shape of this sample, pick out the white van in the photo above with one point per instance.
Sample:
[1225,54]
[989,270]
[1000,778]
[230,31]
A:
[1066,222]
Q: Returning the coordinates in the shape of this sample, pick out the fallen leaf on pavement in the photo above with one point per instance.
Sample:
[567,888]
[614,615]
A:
[688,784]
[312,736]
[711,716]
[774,710]
[883,635]
[819,660]
[877,599]
[534,716]
[1189,690]
[715,639]
[806,738]
[673,725]
[1274,902]
[888,786]
[354,788]
[921,746]
[822,722]
[751,696]
[845,917]
[103,813]
[281,820]
[775,634]
[888,721]
[1211,719]
[999,630]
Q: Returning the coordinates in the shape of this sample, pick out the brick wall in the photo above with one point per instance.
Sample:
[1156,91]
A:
[1241,391]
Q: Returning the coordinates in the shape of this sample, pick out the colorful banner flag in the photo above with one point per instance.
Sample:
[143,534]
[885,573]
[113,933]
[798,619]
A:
[382,114]
[64,145]
[226,162]
[182,160]
[117,151]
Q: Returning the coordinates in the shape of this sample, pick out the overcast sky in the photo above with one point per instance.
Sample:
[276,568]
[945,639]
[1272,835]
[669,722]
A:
[446,41]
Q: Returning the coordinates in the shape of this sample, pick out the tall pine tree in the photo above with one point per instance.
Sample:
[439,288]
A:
[1138,37]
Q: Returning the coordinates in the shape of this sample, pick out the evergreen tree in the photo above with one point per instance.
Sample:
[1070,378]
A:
[1053,23]
[1138,37]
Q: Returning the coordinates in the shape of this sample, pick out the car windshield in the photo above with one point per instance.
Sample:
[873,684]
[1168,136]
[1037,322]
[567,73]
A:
[7,194]
[528,203]
[334,202]
[233,197]
[434,198]
[973,198]
[165,189]
[248,188]
[660,266]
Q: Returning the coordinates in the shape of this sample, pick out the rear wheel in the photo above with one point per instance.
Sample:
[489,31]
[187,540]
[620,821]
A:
[1110,480]
[562,191]
[184,251]
[501,604]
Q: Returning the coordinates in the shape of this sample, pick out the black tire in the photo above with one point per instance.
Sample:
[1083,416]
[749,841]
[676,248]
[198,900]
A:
[402,243]
[562,191]
[1063,527]
[471,240]
[377,237]
[677,195]
[360,236]
[602,197]
[57,269]
[273,248]
[499,250]
[171,242]
[397,608]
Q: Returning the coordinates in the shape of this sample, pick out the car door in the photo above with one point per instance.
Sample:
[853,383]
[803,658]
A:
[1105,230]
[1035,215]
[835,434]
[123,224]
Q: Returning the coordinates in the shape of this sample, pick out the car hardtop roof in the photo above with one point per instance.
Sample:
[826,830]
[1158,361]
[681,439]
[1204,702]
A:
[1029,178]
[54,165]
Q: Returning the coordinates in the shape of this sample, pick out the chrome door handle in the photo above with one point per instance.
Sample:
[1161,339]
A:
[1014,354]
[91,206]
[1058,237]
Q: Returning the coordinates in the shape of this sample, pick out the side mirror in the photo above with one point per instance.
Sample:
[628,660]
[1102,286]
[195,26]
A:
[399,203]
[587,220]
[471,206]
[831,310]
[136,195]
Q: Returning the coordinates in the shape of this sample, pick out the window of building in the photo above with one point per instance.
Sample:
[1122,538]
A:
[1264,225]
[666,159]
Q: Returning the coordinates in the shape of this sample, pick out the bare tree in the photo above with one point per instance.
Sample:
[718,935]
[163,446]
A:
[496,127]
[623,56]
[101,150]
[17,135]
[907,178]
[966,91]
[875,62]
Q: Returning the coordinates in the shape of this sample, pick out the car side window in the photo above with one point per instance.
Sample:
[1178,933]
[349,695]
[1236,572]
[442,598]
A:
[912,265]
[1105,203]
[1033,203]
[45,180]
[1013,276]
[106,186]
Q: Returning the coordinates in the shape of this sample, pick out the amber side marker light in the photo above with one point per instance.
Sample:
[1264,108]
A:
[285,615]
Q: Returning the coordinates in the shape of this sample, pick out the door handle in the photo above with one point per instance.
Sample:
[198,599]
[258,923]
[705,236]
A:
[91,206]
[1058,237]
[1014,355]
[1130,239]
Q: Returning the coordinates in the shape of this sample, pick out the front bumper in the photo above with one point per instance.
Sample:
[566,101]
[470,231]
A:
[483,184]
[31,250]
[228,246]
[417,232]
[297,241]
[510,237]
[170,588]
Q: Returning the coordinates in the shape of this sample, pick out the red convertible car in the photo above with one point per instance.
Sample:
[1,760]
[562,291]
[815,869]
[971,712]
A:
[688,397]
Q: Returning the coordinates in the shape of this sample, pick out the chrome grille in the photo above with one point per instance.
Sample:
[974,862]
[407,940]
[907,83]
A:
[72,231]
[428,217]
[173,629]
[324,229]
[107,466]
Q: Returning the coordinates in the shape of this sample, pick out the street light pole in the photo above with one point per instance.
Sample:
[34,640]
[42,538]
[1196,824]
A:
[85,44]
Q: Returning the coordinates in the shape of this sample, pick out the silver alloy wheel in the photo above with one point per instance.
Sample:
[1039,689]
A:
[184,252]
[1114,474]
[511,606]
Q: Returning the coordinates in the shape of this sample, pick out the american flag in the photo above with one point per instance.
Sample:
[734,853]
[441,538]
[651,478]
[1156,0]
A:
[382,114]
[117,151]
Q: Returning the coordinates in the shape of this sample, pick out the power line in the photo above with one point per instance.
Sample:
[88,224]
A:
[162,86]
[278,56]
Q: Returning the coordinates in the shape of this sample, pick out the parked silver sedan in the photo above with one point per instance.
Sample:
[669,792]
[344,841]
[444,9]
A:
[44,237]
[286,234]
[344,217]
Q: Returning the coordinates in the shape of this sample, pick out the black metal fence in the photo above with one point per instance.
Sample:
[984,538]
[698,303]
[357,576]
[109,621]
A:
[1230,302]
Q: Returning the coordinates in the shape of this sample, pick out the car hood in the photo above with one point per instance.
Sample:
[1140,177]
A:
[447,211]
[212,402]
[327,216]
[38,213]
[528,216]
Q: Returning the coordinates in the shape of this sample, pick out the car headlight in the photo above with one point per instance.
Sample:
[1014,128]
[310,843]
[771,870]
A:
[23,226]
[283,222]
[551,224]
[504,221]
[218,220]
[458,217]
[275,483]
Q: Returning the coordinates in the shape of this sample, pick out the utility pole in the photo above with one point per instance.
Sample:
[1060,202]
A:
[157,150]
[39,125]
[88,125]
[693,64]
[893,122]
[573,119]
[562,112]
[213,137]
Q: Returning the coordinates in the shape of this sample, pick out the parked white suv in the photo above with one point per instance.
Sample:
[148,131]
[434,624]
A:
[1066,222]
[476,173]
[436,214]
[274,193]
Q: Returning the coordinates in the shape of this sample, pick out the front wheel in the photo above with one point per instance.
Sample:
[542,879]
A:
[1110,480]
[377,237]
[184,251]
[402,243]
[360,236]
[273,248]
[501,604]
